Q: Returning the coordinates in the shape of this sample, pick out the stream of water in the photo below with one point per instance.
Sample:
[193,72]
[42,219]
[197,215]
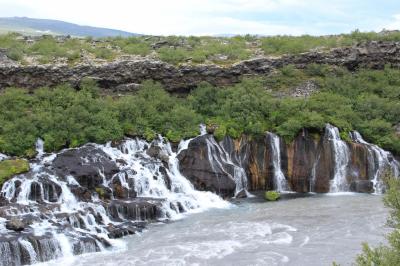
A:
[312,230]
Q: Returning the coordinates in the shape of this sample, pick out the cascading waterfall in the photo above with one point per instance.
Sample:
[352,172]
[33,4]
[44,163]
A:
[280,183]
[147,186]
[341,159]
[39,148]
[219,158]
[380,162]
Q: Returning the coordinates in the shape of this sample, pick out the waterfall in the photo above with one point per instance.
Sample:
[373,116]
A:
[27,246]
[203,130]
[379,162]
[147,186]
[280,183]
[341,159]
[220,159]
[39,148]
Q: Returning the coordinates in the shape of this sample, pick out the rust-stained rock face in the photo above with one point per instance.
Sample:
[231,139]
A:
[301,158]
[309,163]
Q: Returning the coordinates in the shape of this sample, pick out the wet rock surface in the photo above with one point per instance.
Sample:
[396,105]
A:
[200,163]
[314,161]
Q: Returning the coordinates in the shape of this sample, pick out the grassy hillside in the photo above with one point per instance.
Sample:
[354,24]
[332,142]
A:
[174,49]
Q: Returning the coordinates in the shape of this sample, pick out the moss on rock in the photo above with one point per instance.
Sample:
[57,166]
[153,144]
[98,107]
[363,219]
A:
[8,168]
[272,195]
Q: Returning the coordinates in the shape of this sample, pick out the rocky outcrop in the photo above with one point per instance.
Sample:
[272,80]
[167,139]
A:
[123,76]
[89,165]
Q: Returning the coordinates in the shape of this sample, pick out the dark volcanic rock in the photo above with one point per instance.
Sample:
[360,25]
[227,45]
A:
[123,75]
[362,186]
[197,167]
[87,164]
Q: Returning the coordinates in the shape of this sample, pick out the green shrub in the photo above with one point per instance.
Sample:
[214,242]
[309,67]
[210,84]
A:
[172,55]
[272,195]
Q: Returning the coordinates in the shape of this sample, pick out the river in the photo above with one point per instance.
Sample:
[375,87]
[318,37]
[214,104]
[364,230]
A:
[313,230]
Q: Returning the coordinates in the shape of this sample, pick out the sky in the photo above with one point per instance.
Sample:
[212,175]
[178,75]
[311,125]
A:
[214,17]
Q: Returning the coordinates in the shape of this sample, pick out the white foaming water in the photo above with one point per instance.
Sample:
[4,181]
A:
[182,192]
[39,148]
[380,162]
[29,249]
[280,182]
[149,177]
[218,158]
[65,245]
[203,130]
[341,159]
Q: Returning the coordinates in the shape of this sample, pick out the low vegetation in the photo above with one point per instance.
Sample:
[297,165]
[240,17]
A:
[174,49]
[272,195]
[8,168]
[386,254]
[367,101]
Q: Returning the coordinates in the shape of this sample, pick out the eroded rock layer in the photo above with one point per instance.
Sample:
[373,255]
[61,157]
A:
[124,76]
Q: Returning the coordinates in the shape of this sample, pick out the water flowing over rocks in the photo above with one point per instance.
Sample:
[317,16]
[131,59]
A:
[79,200]
[313,162]
[125,75]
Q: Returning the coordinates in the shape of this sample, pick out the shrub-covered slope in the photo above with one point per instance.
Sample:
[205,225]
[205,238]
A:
[367,101]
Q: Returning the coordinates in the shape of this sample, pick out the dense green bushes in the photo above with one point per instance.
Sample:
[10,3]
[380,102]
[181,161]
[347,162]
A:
[367,101]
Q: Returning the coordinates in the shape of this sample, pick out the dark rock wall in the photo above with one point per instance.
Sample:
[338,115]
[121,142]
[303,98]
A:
[123,75]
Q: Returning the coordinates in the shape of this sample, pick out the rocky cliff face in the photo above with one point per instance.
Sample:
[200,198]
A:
[313,162]
[122,76]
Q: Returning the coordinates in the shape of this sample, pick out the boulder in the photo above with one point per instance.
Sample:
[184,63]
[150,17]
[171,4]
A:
[15,225]
[88,164]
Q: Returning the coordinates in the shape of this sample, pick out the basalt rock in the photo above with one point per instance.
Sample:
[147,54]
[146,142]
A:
[122,76]
[84,164]
[205,174]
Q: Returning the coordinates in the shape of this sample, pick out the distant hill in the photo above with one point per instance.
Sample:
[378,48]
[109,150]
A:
[33,26]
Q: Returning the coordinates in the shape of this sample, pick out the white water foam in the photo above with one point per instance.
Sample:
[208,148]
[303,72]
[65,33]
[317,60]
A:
[341,159]
[380,162]
[280,182]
